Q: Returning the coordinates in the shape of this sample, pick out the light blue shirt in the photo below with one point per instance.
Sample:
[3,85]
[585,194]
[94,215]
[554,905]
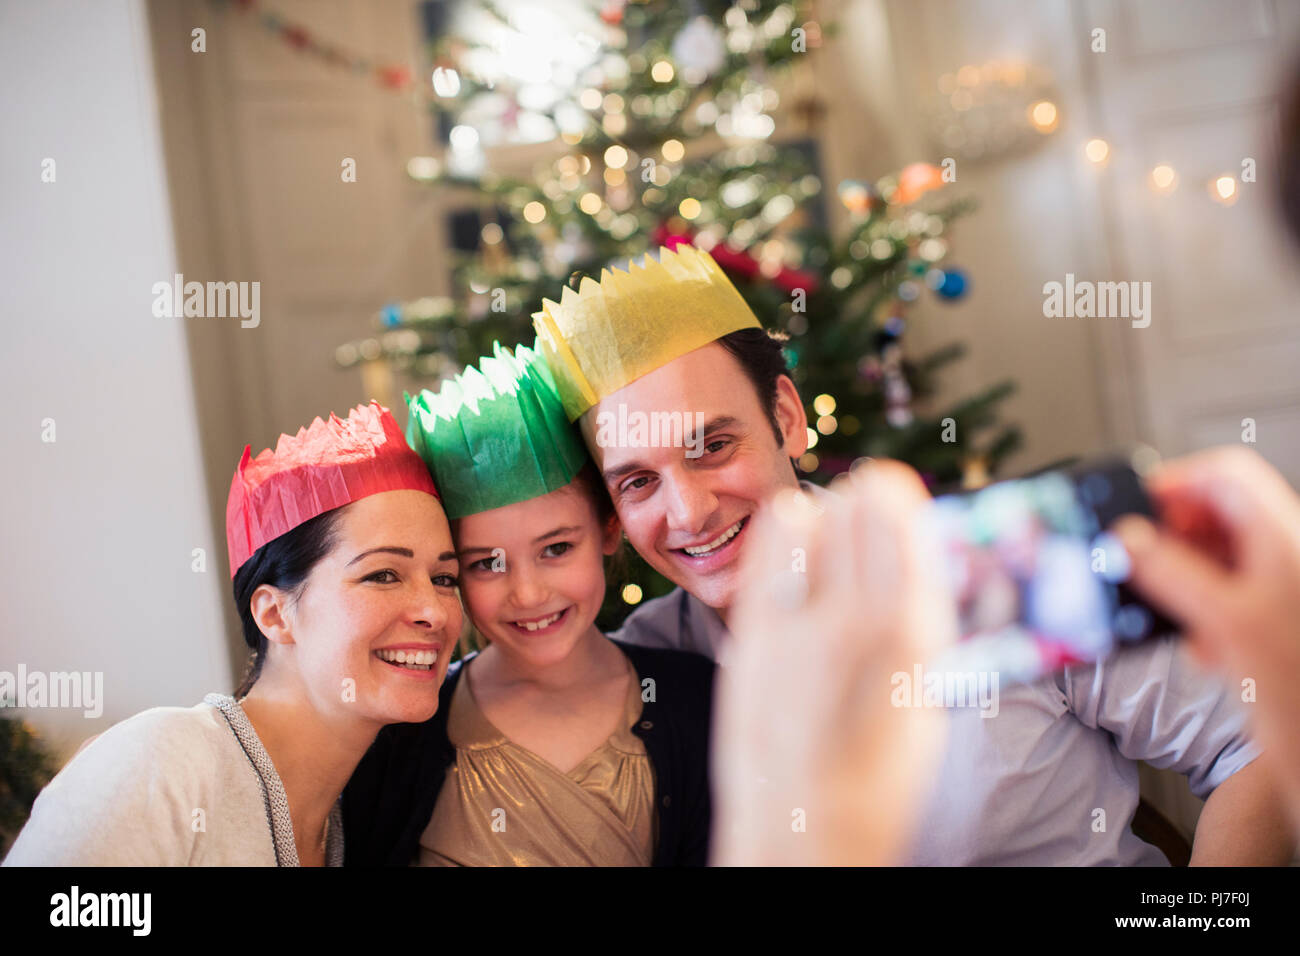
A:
[1024,787]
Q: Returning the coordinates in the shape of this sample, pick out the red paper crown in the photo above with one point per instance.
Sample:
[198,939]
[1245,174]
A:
[325,466]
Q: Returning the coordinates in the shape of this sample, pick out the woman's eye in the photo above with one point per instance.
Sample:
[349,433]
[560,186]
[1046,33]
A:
[446,580]
[557,549]
[386,576]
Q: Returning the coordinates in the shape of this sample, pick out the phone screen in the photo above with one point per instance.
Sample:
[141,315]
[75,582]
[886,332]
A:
[1038,582]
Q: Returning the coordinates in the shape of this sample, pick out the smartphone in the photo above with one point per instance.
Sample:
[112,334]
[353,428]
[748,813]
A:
[1038,581]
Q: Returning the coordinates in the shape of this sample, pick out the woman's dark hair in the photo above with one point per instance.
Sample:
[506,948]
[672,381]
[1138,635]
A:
[760,354]
[283,563]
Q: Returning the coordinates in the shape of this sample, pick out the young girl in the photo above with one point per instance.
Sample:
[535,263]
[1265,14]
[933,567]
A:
[555,746]
[345,578]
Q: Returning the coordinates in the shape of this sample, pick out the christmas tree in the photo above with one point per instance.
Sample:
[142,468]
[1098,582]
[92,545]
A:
[25,769]
[663,117]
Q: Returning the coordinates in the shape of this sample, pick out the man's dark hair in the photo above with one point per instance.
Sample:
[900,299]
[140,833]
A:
[760,354]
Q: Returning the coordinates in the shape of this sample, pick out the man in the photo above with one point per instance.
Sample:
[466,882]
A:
[1052,779]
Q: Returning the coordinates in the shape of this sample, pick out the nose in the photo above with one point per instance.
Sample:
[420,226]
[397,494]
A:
[429,610]
[527,588]
[689,502]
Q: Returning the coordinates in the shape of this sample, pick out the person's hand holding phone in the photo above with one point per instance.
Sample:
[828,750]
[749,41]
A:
[1225,562]
[813,764]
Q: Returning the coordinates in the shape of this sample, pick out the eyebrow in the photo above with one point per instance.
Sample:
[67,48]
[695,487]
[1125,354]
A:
[403,552]
[568,529]
[710,428]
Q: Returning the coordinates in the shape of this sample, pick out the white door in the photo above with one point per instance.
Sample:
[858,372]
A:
[1194,84]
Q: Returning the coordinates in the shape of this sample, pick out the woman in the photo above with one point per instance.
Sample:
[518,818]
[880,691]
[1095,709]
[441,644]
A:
[554,746]
[345,579]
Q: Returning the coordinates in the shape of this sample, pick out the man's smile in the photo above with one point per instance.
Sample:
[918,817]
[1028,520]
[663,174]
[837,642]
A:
[715,552]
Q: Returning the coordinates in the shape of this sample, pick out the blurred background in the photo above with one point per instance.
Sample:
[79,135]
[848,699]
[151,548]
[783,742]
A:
[890,182]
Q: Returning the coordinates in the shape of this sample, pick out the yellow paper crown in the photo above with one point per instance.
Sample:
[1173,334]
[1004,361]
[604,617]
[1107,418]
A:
[609,333]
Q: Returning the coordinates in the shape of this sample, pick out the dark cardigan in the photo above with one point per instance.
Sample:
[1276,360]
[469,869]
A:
[390,799]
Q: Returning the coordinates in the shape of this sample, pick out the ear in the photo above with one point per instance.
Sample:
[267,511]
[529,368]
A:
[790,417]
[270,607]
[611,535]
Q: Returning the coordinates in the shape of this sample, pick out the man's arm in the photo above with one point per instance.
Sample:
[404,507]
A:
[1244,822]
[1161,708]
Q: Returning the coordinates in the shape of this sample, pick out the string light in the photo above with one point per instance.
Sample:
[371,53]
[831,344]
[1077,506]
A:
[463,137]
[1224,189]
[1044,116]
[1097,150]
[616,157]
[824,404]
[662,72]
[689,208]
[423,167]
[446,81]
[534,212]
[1164,179]
[632,594]
[673,151]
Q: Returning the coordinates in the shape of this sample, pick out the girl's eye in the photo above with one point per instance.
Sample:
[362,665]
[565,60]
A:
[557,549]
[446,581]
[483,564]
[386,576]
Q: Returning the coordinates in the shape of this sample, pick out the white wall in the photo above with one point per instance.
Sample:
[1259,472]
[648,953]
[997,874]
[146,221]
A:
[95,568]
[1033,219]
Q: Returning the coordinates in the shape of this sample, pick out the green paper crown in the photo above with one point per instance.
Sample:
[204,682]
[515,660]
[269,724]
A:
[495,435]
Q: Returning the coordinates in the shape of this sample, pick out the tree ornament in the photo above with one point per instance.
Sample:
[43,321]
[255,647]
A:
[858,197]
[916,180]
[954,284]
[699,46]
[612,12]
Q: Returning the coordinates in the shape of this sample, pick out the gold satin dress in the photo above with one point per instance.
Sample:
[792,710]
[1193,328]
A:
[502,805]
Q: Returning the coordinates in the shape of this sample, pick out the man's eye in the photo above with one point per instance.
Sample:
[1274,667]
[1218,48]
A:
[715,445]
[636,484]
[559,548]
[386,576]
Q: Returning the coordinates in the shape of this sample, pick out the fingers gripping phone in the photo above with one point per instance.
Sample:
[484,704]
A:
[1038,581]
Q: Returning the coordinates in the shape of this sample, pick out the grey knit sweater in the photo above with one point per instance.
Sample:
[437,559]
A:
[171,786]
